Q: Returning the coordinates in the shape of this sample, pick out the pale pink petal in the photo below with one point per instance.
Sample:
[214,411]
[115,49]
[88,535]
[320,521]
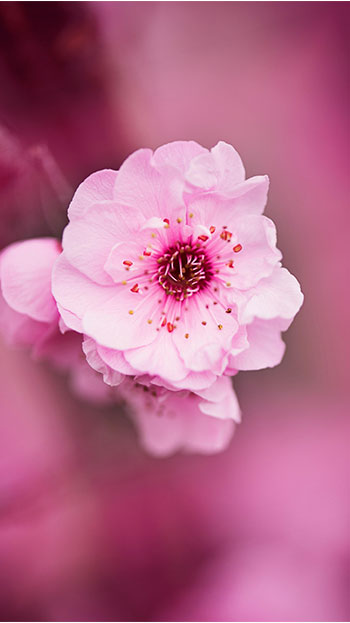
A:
[249,197]
[177,154]
[217,391]
[120,320]
[68,321]
[258,256]
[75,292]
[240,341]
[18,329]
[160,357]
[227,409]
[126,259]
[115,359]
[97,187]
[140,185]
[221,169]
[220,400]
[208,435]
[204,335]
[229,165]
[276,296]
[87,242]
[26,277]
[265,349]
[193,381]
[111,377]
[177,423]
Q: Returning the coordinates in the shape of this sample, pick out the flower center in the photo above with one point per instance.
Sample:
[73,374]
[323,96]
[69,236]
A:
[184,270]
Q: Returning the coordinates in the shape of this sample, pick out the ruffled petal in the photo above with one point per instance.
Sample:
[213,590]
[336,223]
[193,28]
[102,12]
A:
[97,187]
[265,346]
[212,208]
[75,293]
[277,296]
[204,334]
[111,377]
[177,154]
[221,169]
[18,329]
[193,381]
[159,358]
[177,423]
[115,359]
[26,277]
[140,185]
[258,256]
[87,242]
[120,320]
[221,400]
[126,259]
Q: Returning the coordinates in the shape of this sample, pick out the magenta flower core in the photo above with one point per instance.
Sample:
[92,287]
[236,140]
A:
[182,269]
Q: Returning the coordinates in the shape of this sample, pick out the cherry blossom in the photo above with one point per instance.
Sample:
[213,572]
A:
[171,268]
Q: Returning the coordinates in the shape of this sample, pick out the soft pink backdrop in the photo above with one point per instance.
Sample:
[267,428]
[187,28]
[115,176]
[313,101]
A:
[91,527]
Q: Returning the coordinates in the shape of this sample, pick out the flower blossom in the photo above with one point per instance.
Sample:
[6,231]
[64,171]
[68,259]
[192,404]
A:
[29,317]
[171,269]
[168,421]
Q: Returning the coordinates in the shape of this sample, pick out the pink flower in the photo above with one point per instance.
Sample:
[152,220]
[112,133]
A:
[168,421]
[29,315]
[171,268]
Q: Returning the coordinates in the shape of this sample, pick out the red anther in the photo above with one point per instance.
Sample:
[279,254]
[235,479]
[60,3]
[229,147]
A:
[147,253]
[230,264]
[212,229]
[166,220]
[127,263]
[203,238]
[135,288]
[237,248]
[170,327]
[163,322]
[226,235]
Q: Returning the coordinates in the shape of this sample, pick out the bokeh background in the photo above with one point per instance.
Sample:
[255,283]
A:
[91,528]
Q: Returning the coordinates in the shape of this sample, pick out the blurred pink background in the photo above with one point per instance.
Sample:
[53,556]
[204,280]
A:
[91,528]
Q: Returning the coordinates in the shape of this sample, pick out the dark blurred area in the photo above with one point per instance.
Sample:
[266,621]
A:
[90,527]
[57,123]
